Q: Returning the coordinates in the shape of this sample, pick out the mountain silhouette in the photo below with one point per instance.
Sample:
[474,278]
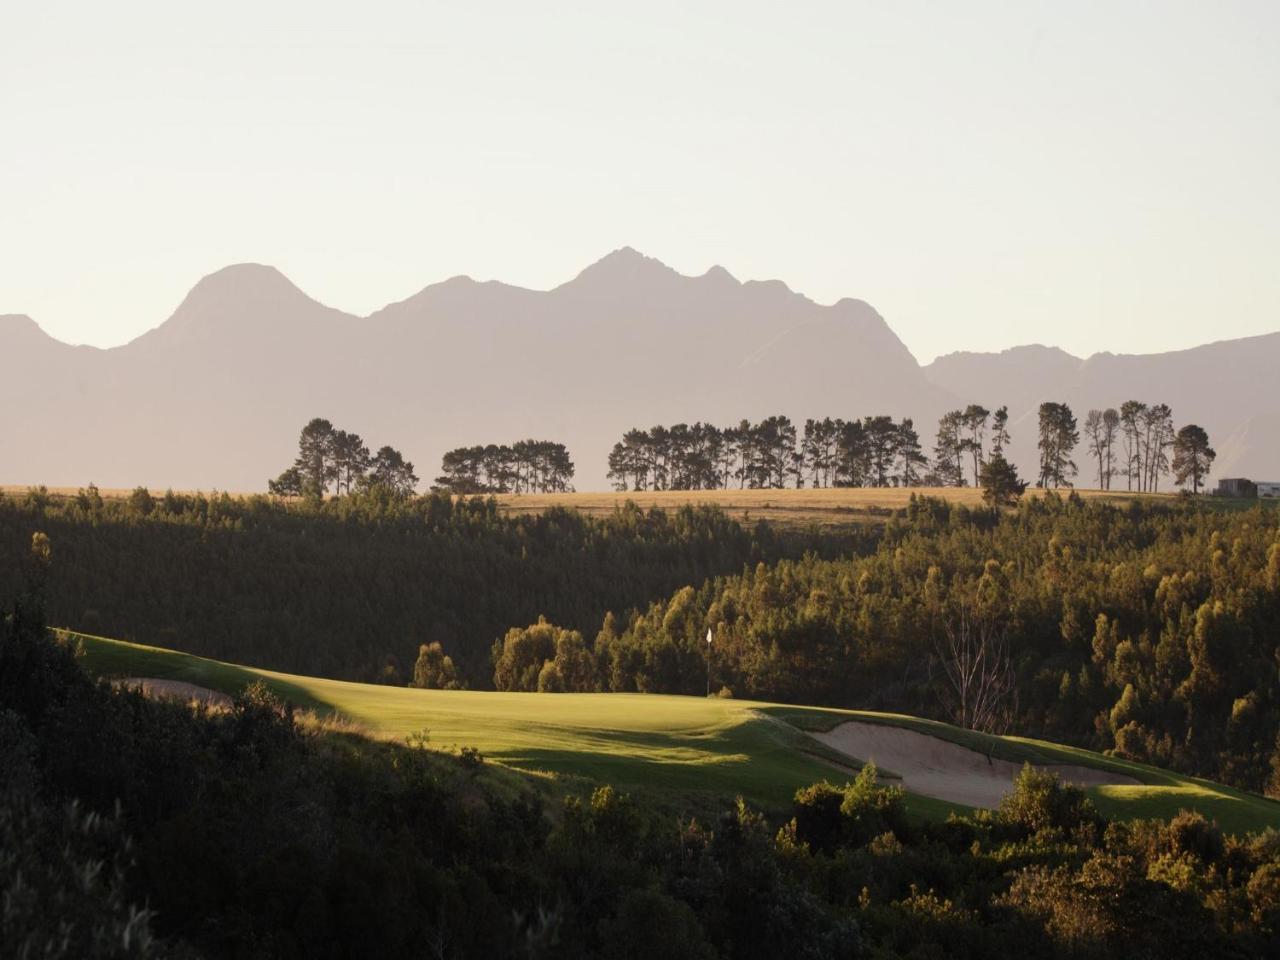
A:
[214,397]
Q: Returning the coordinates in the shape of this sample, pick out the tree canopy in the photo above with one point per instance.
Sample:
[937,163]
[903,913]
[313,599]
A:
[335,457]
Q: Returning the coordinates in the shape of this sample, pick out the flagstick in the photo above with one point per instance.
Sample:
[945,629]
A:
[708,661]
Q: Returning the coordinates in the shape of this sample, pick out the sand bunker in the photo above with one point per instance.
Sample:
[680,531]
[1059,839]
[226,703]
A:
[947,771]
[176,690]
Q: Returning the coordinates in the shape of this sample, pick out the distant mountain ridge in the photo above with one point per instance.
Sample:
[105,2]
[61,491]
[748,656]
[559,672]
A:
[214,396]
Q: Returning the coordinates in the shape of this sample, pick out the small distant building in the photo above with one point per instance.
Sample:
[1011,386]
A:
[1236,487]
[1265,489]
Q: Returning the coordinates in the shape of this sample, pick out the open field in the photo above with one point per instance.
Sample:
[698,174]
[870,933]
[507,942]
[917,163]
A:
[685,746]
[824,507]
[828,507]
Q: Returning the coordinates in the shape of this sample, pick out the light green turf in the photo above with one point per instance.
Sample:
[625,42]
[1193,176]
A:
[688,746]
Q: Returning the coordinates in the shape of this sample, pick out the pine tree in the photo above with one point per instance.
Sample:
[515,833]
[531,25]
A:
[1192,456]
[911,458]
[882,437]
[392,472]
[351,460]
[1000,482]
[948,449]
[316,464]
[999,431]
[1058,438]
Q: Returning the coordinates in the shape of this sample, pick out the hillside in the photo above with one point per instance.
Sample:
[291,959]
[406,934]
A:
[247,358]
[688,746]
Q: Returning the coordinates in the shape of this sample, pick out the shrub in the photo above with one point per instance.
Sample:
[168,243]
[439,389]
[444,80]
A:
[434,669]
[1041,801]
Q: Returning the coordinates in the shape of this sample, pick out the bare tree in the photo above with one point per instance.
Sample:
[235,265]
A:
[973,649]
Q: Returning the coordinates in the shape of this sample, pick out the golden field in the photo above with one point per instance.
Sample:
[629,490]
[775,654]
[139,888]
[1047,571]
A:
[828,506]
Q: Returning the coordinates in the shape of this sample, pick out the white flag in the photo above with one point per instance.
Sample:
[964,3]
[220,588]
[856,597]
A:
[708,636]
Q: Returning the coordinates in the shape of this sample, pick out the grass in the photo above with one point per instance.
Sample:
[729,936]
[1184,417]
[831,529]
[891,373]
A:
[691,746]
[692,751]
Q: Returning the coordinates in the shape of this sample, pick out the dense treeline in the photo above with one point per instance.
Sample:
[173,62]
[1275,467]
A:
[877,451]
[350,587]
[136,828]
[527,466]
[1149,630]
[873,452]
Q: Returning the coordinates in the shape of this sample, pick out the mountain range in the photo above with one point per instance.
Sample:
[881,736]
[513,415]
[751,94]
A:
[214,397]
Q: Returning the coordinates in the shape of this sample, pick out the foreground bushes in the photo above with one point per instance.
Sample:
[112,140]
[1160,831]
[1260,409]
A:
[252,838]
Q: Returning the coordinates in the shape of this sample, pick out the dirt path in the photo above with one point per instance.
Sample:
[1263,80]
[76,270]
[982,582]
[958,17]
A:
[175,690]
[947,771]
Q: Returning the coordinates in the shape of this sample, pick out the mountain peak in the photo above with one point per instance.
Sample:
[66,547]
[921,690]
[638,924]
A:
[718,274]
[624,266]
[244,296]
[243,281]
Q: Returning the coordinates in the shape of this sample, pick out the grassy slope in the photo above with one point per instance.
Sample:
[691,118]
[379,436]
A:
[686,747]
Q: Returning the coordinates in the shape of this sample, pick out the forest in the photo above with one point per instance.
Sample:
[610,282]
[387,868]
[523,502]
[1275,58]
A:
[350,587]
[140,828]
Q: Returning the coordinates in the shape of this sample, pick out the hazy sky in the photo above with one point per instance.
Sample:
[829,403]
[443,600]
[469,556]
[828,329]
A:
[1098,176]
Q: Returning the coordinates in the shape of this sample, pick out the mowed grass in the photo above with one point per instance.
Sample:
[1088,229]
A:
[688,745]
[684,748]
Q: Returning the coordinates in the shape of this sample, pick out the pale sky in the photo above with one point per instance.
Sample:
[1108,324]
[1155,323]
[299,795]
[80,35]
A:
[1099,176]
